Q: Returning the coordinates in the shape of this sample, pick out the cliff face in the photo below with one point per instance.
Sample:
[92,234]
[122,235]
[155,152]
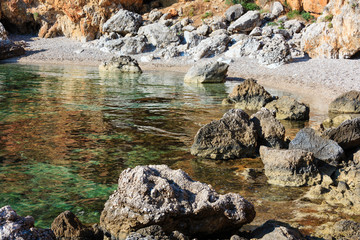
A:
[315,7]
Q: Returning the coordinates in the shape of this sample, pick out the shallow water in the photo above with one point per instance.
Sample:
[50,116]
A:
[67,132]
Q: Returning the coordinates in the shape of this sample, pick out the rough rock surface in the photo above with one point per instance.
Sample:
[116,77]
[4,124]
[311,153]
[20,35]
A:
[314,6]
[348,102]
[272,229]
[3,33]
[9,49]
[343,229]
[245,47]
[271,132]
[276,8]
[347,135]
[212,72]
[249,95]
[159,35]
[13,226]
[233,136]
[124,46]
[294,167]
[338,119]
[234,12]
[157,195]
[324,149]
[288,108]
[246,22]
[276,52]
[123,64]
[123,22]
[356,158]
[211,46]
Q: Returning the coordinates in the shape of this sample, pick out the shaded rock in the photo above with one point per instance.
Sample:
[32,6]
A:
[337,120]
[356,157]
[246,22]
[288,108]
[155,15]
[271,132]
[324,149]
[249,95]
[256,32]
[159,35]
[13,226]
[212,72]
[192,39]
[275,52]
[123,64]
[276,8]
[347,135]
[123,22]
[272,229]
[9,49]
[211,46]
[157,195]
[234,12]
[233,136]
[348,102]
[151,233]
[294,167]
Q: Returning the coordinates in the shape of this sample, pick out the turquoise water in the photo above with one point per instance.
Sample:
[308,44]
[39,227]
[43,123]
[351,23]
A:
[67,132]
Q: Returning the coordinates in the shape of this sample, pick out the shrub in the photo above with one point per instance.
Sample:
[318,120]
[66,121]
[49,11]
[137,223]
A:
[250,6]
[207,14]
[206,0]
[191,12]
[36,16]
[272,24]
[330,25]
[328,18]
[292,14]
[307,16]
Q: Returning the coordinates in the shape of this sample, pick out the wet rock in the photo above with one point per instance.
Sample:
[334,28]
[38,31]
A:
[271,132]
[234,12]
[123,22]
[211,46]
[246,22]
[288,108]
[124,46]
[337,120]
[324,149]
[13,226]
[157,195]
[347,135]
[233,136]
[348,102]
[249,95]
[275,53]
[294,167]
[272,229]
[159,35]
[276,8]
[212,72]
[123,64]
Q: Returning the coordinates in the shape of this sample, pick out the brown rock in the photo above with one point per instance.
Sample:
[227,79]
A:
[348,102]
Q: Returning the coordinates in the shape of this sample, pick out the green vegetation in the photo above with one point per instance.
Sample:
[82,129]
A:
[206,0]
[207,14]
[248,5]
[295,13]
[191,12]
[330,25]
[272,24]
[307,16]
[328,18]
[36,16]
[292,14]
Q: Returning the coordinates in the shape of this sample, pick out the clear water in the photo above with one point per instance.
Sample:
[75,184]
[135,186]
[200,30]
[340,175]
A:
[67,132]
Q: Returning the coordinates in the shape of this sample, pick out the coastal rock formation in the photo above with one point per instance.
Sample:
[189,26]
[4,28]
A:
[8,49]
[3,33]
[272,229]
[212,72]
[249,95]
[211,46]
[276,52]
[123,64]
[13,226]
[233,136]
[159,35]
[348,102]
[324,149]
[343,229]
[315,7]
[271,132]
[294,167]
[337,120]
[157,195]
[123,22]
[246,22]
[234,12]
[124,46]
[288,108]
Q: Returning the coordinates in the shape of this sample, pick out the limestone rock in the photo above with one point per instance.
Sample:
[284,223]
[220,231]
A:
[294,26]
[289,167]
[123,22]
[155,15]
[288,108]
[276,52]
[314,6]
[234,12]
[245,47]
[272,229]
[159,35]
[348,102]
[203,30]
[356,158]
[276,8]
[9,49]
[211,46]
[157,195]
[212,72]
[233,136]
[343,229]
[124,46]
[123,64]
[246,22]
[192,39]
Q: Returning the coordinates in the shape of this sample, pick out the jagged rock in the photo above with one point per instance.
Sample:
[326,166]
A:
[123,22]
[150,233]
[337,120]
[123,64]
[246,22]
[294,26]
[157,195]
[348,102]
[347,135]
[275,52]
[124,46]
[203,30]
[249,95]
[212,72]
[9,49]
[192,39]
[234,12]
[272,230]
[159,35]
[13,226]
[217,23]
[324,149]
[211,46]
[276,8]
[233,136]
[271,132]
[288,108]
[155,15]
[256,32]
[294,167]
[245,47]
[343,229]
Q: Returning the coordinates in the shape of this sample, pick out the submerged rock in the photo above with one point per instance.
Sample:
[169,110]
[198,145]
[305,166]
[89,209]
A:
[337,120]
[233,136]
[213,72]
[157,195]
[348,102]
[123,22]
[123,64]
[288,108]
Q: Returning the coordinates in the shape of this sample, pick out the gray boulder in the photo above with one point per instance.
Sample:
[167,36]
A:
[288,108]
[246,22]
[348,102]
[294,26]
[233,136]
[10,49]
[234,12]
[13,226]
[157,195]
[211,46]
[154,15]
[125,46]
[192,39]
[294,167]
[159,35]
[245,47]
[203,30]
[123,22]
[212,72]
[272,230]
[276,8]
[324,149]
[275,53]
[217,23]
[124,64]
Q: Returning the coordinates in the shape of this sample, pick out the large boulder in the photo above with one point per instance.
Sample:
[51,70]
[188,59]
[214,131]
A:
[343,229]
[212,72]
[159,35]
[9,49]
[287,108]
[272,230]
[124,64]
[124,46]
[276,52]
[123,22]
[157,195]
[234,12]
[294,167]
[246,22]
[211,46]
[356,157]
[324,149]
[276,8]
[233,136]
[13,226]
[347,135]
[348,102]
[271,132]
[249,95]
[247,46]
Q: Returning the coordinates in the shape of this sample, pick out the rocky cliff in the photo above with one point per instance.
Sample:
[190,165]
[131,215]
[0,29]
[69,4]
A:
[315,7]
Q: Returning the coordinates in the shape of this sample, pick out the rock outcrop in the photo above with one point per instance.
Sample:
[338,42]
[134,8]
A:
[234,12]
[159,35]
[212,72]
[287,108]
[246,22]
[343,229]
[276,52]
[233,136]
[123,22]
[157,195]
[348,102]
[315,7]
[124,64]
[211,46]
